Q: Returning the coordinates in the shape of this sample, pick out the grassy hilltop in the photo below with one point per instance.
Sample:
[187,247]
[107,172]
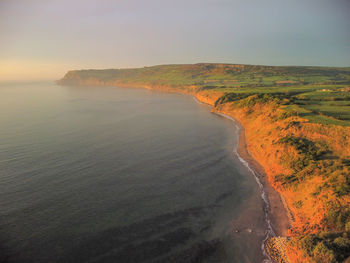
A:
[297,123]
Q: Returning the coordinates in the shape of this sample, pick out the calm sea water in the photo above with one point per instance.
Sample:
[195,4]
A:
[121,175]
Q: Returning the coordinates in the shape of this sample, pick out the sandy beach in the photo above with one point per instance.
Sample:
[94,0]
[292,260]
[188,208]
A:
[278,213]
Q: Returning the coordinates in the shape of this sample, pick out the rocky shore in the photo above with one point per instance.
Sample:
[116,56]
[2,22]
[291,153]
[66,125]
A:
[276,247]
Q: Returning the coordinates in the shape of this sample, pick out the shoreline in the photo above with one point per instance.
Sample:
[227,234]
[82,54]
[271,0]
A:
[278,212]
[278,217]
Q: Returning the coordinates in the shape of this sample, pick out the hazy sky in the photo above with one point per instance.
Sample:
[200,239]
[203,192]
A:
[41,39]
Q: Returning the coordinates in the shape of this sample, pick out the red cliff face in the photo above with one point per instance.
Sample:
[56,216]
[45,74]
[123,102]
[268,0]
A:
[263,133]
[208,97]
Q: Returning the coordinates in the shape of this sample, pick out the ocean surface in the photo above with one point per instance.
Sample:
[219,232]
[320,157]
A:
[105,174]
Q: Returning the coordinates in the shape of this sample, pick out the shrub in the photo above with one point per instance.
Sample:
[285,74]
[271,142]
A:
[338,218]
[259,98]
[324,246]
[347,226]
[322,254]
[308,151]
[287,114]
[298,204]
[285,179]
[342,244]
[228,97]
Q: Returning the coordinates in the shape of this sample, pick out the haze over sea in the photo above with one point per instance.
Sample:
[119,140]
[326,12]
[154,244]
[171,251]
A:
[122,175]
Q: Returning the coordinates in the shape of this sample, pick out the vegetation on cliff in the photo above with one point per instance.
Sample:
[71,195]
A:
[308,163]
[297,127]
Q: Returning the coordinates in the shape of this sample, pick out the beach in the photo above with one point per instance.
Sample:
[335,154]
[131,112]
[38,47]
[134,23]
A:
[277,211]
[277,214]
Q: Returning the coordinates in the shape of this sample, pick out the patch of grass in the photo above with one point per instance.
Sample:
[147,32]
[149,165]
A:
[327,247]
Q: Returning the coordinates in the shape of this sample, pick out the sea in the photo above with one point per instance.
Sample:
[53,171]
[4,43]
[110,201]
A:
[109,174]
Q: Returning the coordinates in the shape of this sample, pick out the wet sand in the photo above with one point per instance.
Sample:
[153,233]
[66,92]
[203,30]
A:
[278,213]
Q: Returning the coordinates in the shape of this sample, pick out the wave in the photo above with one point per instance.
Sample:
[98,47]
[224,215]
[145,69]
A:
[269,232]
[257,176]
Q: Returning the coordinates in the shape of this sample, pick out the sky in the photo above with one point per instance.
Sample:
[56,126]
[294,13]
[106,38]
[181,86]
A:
[42,39]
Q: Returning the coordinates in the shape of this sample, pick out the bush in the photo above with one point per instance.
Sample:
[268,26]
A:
[338,218]
[229,97]
[285,179]
[307,244]
[323,247]
[322,254]
[259,98]
[287,114]
[308,151]
[347,226]
[342,244]
[298,204]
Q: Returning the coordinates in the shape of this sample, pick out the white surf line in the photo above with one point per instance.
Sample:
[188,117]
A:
[203,103]
[195,99]
[257,176]
[269,232]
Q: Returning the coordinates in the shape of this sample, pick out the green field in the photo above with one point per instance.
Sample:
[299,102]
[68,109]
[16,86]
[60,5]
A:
[319,94]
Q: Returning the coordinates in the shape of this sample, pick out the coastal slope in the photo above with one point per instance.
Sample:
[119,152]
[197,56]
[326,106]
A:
[296,124]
